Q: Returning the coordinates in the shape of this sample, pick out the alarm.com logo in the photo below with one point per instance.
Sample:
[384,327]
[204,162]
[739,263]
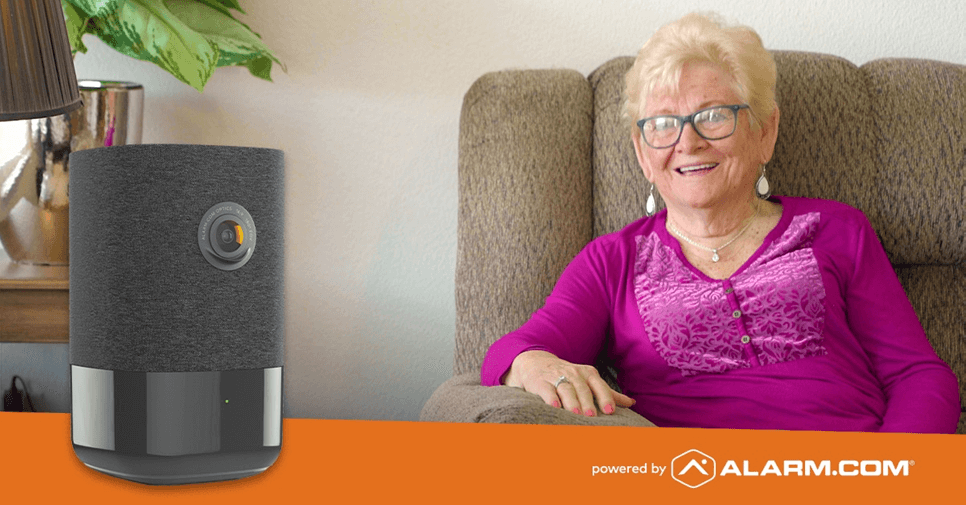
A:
[693,468]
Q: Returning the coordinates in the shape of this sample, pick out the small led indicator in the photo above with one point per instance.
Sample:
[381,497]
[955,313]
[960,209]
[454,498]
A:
[226,401]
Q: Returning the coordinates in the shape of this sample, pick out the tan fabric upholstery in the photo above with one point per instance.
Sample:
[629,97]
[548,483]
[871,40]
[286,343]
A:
[546,164]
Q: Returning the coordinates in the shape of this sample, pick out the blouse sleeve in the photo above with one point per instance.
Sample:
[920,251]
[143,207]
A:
[572,323]
[921,390]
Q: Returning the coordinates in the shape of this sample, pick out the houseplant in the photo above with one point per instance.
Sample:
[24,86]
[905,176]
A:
[187,38]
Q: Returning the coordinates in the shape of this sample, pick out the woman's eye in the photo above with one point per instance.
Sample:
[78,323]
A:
[664,124]
[715,116]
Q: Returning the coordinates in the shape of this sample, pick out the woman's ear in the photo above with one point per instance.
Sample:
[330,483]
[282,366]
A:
[769,135]
[639,151]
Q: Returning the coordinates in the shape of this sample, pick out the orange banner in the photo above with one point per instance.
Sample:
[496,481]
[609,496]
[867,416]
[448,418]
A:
[331,461]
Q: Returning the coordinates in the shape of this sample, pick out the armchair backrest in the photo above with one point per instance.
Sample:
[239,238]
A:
[546,164]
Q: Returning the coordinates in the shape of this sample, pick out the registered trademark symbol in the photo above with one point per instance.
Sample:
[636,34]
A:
[912,463]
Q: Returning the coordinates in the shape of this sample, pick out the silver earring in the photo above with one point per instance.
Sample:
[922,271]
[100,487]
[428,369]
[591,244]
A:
[650,207]
[761,187]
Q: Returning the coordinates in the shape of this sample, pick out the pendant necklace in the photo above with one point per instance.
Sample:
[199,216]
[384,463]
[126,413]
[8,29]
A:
[713,250]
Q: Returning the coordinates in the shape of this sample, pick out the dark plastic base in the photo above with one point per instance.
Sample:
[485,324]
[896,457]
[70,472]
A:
[173,470]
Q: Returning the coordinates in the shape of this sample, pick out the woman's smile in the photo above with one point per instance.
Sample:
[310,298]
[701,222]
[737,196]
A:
[696,169]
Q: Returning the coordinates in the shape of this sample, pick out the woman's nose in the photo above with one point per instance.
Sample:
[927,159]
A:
[690,140]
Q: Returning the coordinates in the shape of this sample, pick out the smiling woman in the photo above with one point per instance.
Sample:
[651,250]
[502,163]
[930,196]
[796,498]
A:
[730,308]
[705,173]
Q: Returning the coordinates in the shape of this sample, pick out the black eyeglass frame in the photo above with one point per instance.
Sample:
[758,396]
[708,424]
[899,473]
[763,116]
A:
[690,119]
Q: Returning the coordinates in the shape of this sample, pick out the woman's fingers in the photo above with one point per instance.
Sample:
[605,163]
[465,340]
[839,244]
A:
[585,397]
[587,391]
[607,398]
[546,391]
[624,400]
[581,390]
[576,397]
[568,397]
[571,395]
[603,393]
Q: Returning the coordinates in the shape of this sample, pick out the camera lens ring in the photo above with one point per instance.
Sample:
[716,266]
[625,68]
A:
[218,247]
[212,248]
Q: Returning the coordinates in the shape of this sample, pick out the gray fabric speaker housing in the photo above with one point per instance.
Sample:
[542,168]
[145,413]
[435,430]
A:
[142,296]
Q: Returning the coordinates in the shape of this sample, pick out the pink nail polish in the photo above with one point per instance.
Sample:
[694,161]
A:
[576,410]
[555,404]
[608,409]
[590,413]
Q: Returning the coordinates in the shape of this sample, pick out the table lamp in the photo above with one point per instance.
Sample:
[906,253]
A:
[36,69]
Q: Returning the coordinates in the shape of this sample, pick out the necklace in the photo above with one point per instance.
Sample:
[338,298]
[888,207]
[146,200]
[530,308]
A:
[713,250]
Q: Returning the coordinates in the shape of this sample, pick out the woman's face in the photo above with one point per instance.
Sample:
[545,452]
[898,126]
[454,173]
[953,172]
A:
[728,167]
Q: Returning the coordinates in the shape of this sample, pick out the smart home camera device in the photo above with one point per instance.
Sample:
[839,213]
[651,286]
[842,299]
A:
[176,311]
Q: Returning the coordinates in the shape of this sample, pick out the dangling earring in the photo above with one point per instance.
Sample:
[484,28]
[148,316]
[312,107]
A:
[761,187]
[650,207]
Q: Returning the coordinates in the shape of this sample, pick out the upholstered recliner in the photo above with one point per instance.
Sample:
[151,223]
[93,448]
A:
[546,164]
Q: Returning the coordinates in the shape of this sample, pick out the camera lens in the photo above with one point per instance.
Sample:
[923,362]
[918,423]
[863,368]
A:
[231,236]
[226,236]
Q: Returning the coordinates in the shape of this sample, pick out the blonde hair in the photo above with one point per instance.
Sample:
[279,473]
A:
[702,38]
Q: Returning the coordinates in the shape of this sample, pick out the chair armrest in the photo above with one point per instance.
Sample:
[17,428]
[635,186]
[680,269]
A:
[462,399]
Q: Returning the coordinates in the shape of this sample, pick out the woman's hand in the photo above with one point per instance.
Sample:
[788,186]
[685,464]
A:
[538,371]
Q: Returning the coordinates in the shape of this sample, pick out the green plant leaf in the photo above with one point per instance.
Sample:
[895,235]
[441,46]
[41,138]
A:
[232,4]
[215,4]
[149,31]
[95,8]
[223,5]
[237,44]
[76,26]
[260,67]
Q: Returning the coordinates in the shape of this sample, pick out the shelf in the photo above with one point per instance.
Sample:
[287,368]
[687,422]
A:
[34,302]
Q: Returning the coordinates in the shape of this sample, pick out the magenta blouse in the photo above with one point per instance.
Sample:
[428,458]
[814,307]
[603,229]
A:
[813,332]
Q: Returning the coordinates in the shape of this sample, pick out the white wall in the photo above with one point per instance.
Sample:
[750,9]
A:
[368,118]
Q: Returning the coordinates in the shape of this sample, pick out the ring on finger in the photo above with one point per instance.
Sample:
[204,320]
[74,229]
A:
[561,380]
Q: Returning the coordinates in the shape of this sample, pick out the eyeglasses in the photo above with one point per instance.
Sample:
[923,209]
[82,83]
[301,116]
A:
[713,123]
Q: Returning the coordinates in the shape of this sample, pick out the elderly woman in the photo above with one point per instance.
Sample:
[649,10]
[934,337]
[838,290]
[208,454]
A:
[730,308]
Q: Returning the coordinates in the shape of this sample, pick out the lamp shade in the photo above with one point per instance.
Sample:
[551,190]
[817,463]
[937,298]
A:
[36,69]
